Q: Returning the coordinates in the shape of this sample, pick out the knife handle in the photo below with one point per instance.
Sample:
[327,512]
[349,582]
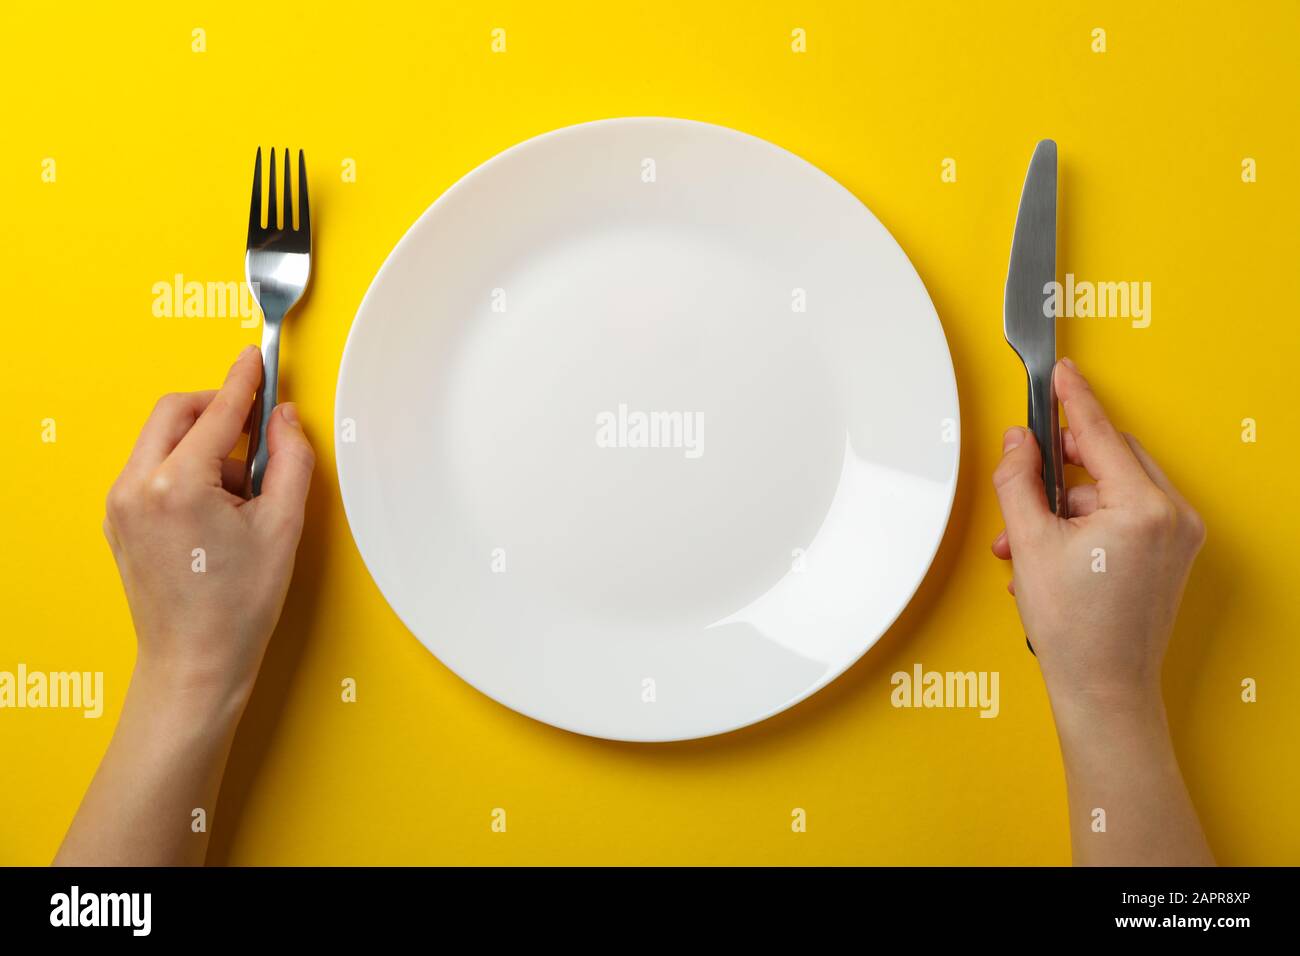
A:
[1045,423]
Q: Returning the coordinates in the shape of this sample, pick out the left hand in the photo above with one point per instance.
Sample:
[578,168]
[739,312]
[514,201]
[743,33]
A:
[206,572]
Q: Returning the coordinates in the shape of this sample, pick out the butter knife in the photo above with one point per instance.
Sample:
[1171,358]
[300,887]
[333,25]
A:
[1029,327]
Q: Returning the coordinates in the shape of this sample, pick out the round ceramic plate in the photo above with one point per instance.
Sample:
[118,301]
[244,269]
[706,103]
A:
[647,429]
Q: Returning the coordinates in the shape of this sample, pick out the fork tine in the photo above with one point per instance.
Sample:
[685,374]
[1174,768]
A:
[304,207]
[272,200]
[255,213]
[288,193]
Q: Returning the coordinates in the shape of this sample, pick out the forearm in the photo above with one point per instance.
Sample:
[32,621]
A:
[165,761]
[1119,759]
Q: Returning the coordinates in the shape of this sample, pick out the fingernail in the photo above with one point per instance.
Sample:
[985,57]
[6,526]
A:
[247,349]
[1014,436]
[1069,363]
[290,412]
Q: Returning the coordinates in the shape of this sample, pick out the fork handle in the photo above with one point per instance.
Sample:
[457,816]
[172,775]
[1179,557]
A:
[263,405]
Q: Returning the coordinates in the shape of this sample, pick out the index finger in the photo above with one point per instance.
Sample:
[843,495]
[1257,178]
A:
[1102,449]
[217,431]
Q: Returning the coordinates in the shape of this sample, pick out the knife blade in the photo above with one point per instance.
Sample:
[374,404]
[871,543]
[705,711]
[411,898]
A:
[1027,323]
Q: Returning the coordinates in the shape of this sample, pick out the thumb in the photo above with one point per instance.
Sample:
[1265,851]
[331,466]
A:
[1019,484]
[289,464]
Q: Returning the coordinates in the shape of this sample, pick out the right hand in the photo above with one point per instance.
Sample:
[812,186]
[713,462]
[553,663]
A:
[1100,636]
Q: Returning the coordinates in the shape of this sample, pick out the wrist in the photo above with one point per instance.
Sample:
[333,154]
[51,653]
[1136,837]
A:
[1083,714]
[179,690]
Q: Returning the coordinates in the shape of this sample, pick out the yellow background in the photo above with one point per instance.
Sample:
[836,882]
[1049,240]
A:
[153,145]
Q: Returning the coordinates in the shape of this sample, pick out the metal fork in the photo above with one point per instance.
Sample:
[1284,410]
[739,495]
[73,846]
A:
[277,266]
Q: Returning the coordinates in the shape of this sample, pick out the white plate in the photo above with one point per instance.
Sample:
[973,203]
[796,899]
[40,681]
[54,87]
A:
[705,572]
